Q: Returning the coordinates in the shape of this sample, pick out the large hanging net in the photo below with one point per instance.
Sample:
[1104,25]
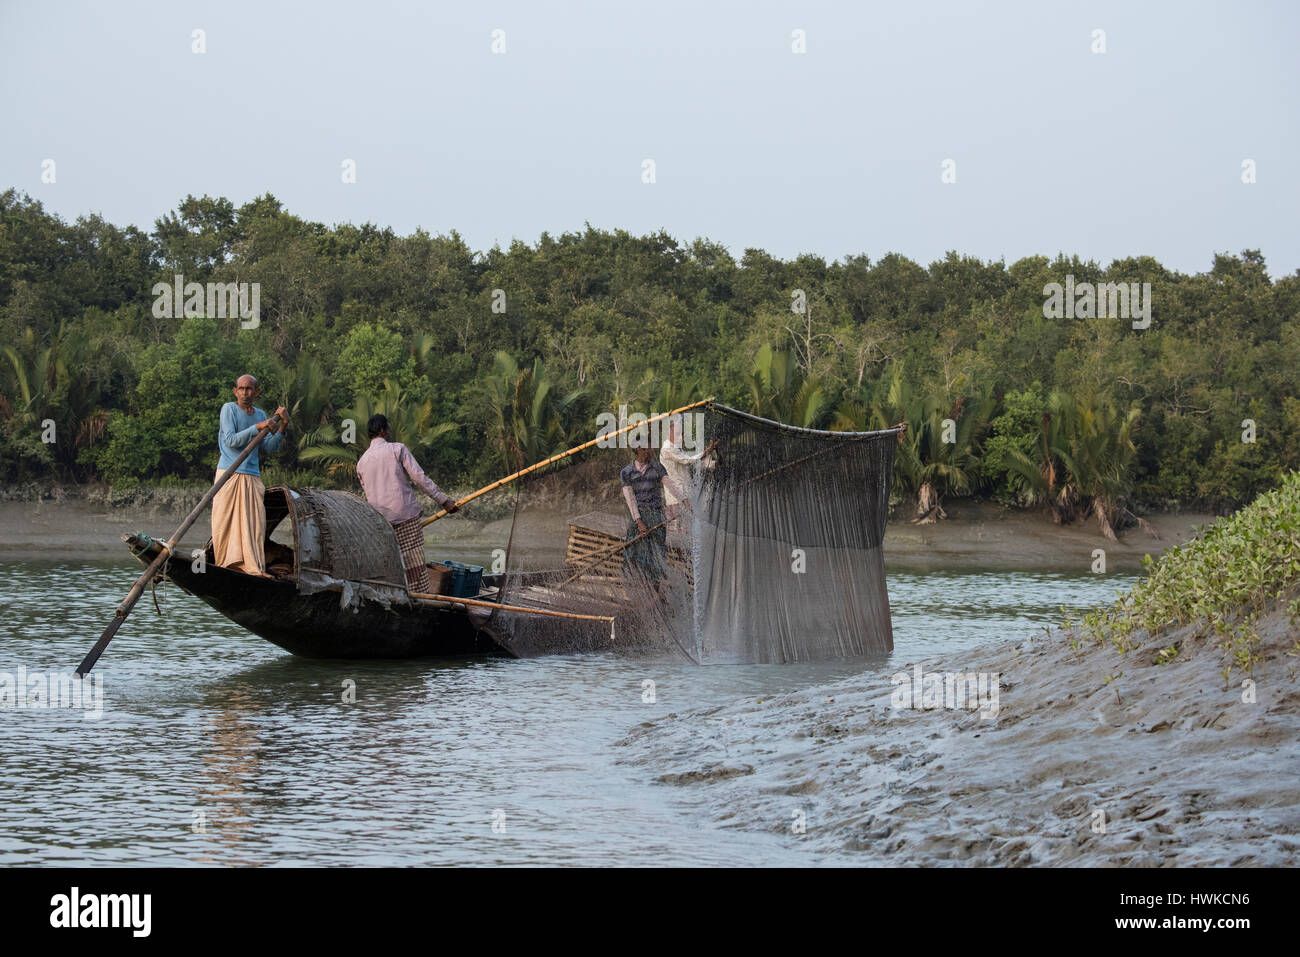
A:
[773,556]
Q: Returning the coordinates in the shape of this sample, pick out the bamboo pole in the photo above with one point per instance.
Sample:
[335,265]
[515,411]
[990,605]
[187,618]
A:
[453,600]
[555,458]
[168,547]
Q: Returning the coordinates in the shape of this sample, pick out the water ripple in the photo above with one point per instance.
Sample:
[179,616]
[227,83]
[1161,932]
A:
[217,748]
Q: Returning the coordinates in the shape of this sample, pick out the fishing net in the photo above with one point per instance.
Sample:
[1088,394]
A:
[777,558]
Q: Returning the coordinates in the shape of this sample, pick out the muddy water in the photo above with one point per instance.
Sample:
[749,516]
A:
[215,747]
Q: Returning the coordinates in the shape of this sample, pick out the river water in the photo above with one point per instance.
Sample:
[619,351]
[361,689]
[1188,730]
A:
[217,748]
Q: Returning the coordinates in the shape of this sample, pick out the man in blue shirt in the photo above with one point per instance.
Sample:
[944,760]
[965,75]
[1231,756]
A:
[239,509]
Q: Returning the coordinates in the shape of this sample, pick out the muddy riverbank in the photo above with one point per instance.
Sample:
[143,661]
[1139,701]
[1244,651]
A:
[1093,758]
[975,536]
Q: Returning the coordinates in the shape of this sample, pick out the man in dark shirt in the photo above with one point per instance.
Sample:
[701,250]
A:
[643,489]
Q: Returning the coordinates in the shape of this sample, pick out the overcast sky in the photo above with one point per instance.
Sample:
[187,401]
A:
[837,150]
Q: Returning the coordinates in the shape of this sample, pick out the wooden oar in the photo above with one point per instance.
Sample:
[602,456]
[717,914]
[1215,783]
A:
[555,458]
[168,546]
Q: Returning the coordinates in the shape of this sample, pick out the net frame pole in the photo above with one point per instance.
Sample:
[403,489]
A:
[823,433]
[555,458]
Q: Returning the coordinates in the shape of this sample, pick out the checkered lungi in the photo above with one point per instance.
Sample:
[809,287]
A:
[650,554]
[410,540]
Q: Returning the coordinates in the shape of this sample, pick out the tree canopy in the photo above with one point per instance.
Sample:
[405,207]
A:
[503,355]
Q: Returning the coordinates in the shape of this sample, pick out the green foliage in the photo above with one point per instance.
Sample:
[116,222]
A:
[530,421]
[779,390]
[939,453]
[1015,429]
[653,322]
[177,406]
[410,422]
[1223,581]
[308,398]
[54,386]
[372,356]
[23,455]
[1083,461]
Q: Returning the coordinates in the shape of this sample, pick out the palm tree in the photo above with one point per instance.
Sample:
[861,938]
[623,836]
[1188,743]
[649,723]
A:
[1084,460]
[33,381]
[938,454]
[1100,460]
[1046,477]
[411,423]
[308,400]
[778,389]
[529,418]
[674,393]
[55,385]
[951,461]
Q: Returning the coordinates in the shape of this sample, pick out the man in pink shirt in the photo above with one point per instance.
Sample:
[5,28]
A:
[384,470]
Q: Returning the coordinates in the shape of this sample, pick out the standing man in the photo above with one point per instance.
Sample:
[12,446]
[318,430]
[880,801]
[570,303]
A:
[644,481]
[384,471]
[678,464]
[239,509]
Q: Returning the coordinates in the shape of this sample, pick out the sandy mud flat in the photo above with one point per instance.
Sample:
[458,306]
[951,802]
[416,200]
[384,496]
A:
[1160,765]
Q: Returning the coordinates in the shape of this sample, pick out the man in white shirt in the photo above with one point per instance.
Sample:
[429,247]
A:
[678,464]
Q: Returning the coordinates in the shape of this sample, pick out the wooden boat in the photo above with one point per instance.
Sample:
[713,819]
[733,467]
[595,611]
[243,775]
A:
[338,588]
[337,591]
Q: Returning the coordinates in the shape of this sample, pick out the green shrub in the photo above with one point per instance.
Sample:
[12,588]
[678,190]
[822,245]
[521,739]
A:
[1224,580]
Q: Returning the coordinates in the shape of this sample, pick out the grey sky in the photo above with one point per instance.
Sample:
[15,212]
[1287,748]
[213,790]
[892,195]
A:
[835,151]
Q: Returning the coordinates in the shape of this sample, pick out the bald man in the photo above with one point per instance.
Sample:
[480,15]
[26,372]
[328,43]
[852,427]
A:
[239,509]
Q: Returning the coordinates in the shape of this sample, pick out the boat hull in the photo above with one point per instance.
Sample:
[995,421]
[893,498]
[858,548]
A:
[318,625]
